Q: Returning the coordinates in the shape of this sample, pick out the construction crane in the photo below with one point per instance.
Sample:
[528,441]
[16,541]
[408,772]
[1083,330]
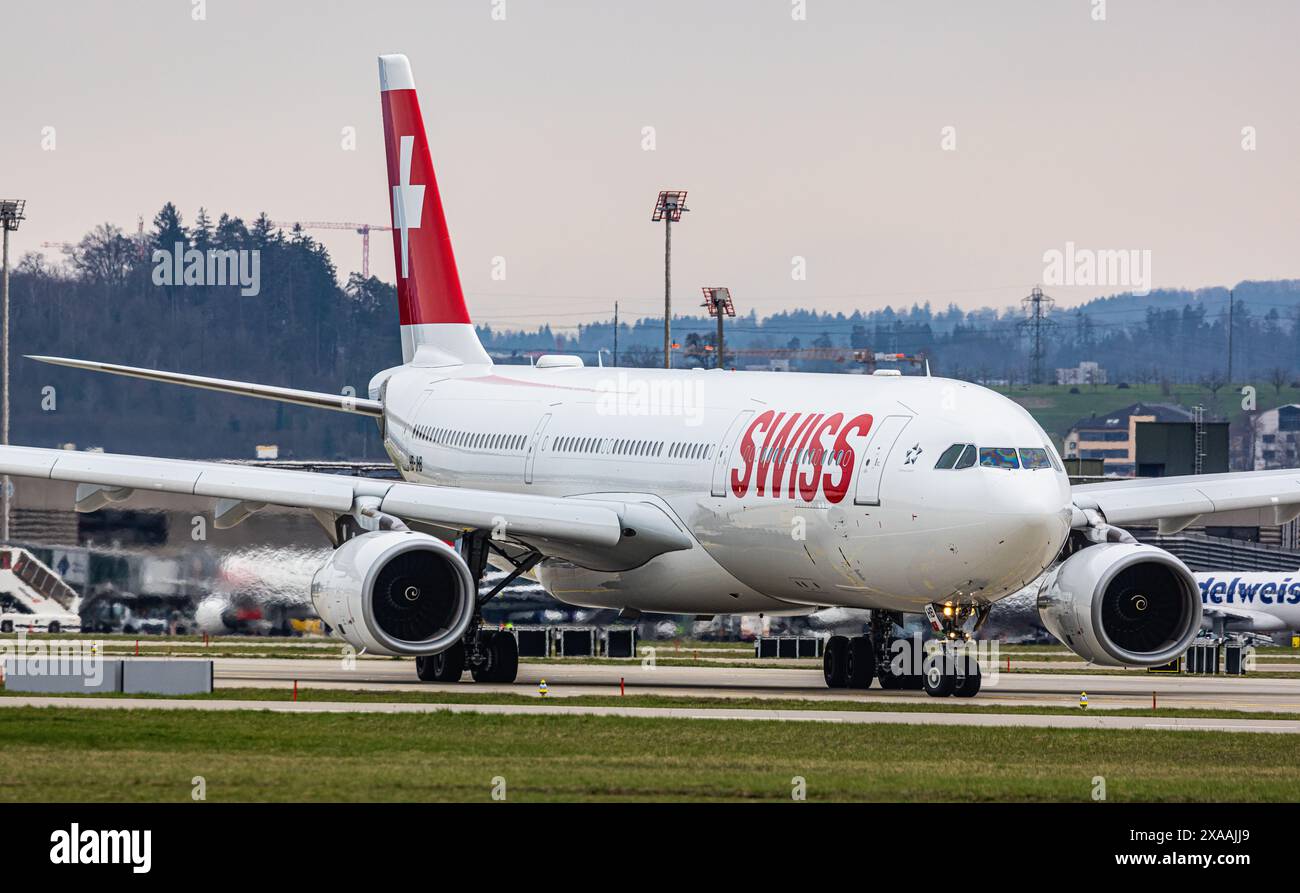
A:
[141,242]
[363,229]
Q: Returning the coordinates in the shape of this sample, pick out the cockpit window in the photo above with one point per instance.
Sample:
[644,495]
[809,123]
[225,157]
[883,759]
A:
[1054,458]
[965,455]
[950,456]
[999,457]
[1031,457]
[959,455]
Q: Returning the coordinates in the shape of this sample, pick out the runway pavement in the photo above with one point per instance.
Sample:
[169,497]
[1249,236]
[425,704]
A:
[1104,692]
[848,717]
[569,679]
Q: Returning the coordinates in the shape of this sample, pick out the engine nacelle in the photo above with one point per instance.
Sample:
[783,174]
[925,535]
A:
[398,593]
[1122,604]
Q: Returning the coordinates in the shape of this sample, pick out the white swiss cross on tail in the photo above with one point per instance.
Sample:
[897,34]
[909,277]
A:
[431,309]
[408,202]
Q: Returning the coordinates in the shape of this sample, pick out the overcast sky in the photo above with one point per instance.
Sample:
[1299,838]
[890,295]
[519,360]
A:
[821,138]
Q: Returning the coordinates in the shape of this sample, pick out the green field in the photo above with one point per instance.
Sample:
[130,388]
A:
[81,755]
[1056,409]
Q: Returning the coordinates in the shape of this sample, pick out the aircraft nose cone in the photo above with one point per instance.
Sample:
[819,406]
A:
[1027,493]
[1034,514]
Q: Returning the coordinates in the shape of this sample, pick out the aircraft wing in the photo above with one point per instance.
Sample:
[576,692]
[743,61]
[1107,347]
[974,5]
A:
[601,534]
[1247,498]
[1253,621]
[336,402]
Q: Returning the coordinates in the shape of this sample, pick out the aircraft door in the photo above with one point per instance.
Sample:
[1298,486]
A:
[534,446]
[722,461]
[881,442]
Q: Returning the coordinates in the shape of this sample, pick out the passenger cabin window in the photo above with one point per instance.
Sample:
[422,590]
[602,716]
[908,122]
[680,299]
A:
[998,457]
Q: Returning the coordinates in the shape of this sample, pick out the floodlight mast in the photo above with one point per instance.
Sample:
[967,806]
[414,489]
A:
[11,214]
[669,208]
[718,300]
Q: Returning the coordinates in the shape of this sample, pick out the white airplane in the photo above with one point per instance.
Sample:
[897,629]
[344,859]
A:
[651,490]
[1253,603]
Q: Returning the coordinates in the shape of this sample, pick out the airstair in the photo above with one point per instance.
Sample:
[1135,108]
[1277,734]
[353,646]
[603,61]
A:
[28,586]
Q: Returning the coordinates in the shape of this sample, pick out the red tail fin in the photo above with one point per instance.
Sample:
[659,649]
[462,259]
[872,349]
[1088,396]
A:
[431,305]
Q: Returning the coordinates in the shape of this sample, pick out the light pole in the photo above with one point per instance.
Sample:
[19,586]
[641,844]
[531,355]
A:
[11,214]
[669,208]
[718,300]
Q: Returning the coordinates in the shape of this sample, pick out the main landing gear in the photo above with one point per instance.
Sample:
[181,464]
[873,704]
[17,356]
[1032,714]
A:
[489,655]
[940,667]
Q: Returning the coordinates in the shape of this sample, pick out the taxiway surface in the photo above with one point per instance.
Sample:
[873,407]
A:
[1131,690]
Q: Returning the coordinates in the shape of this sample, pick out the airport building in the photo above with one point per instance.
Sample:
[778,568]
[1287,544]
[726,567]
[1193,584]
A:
[1149,440]
[1277,438]
[1087,372]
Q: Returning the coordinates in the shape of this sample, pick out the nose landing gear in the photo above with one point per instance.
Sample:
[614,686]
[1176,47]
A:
[950,667]
[941,668]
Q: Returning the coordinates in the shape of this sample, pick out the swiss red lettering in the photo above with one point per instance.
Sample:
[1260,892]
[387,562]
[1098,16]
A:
[808,485]
[776,454]
[844,456]
[794,442]
[740,477]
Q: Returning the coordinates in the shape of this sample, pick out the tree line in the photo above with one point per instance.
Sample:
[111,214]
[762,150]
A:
[304,329]
[100,302]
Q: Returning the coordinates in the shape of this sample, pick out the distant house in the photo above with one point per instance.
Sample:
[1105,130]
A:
[1086,372]
[1277,437]
[1113,437]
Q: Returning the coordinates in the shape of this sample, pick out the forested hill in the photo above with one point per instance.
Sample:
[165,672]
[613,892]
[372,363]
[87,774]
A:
[1176,336]
[103,300]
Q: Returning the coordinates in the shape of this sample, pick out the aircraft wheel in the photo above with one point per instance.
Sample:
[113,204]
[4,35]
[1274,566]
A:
[891,681]
[7,626]
[446,666]
[862,662]
[503,658]
[967,685]
[835,662]
[505,653]
[936,679]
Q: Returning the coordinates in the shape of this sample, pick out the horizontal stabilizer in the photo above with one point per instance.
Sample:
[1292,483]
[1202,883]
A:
[337,402]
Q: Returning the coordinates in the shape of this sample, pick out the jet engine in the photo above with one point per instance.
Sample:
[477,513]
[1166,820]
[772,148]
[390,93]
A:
[397,593]
[1122,604]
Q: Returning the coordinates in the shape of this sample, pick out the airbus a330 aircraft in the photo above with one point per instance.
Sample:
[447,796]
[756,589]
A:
[690,492]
